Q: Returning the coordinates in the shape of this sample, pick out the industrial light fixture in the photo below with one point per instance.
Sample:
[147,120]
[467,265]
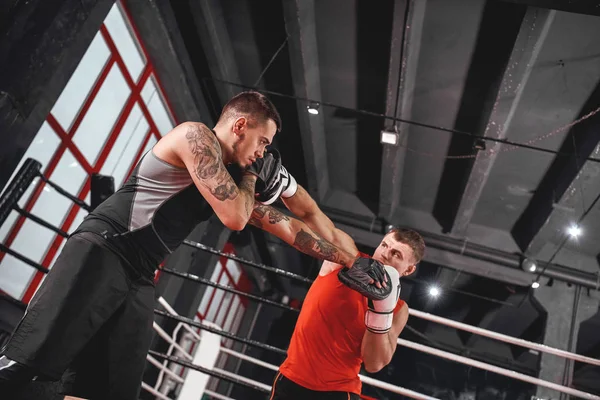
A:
[389,228]
[313,108]
[389,136]
[529,265]
[574,231]
[535,285]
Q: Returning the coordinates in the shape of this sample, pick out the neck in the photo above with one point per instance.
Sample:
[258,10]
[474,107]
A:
[226,148]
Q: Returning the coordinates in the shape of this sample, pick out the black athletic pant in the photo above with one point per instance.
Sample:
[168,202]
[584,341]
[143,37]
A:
[89,325]
[285,389]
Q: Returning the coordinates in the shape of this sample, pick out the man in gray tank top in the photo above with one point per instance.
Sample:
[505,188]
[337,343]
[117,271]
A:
[90,323]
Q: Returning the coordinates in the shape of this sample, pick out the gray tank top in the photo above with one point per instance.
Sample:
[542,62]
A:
[150,215]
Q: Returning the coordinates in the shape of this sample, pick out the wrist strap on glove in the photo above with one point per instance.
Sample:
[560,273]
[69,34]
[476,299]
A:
[283,184]
[291,186]
[378,322]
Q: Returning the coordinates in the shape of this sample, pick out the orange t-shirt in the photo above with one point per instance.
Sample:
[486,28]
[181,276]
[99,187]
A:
[325,350]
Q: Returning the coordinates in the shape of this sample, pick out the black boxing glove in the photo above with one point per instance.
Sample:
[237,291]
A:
[361,273]
[266,170]
[283,185]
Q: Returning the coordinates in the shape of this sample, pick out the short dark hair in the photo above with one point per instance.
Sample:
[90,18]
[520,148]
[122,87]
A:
[412,239]
[253,104]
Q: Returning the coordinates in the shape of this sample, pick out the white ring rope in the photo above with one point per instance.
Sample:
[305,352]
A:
[504,338]
[439,353]
[365,379]
[498,370]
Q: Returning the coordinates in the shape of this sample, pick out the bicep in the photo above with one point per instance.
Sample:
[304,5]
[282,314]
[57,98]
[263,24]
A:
[200,151]
[201,155]
[399,321]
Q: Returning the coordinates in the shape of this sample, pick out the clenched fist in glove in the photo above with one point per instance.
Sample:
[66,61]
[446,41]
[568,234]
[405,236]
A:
[265,169]
[380,313]
[363,277]
[279,182]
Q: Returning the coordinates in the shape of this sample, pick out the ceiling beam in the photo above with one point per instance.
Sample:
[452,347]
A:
[300,25]
[407,28]
[588,7]
[531,37]
[461,255]
[159,29]
[214,37]
[558,199]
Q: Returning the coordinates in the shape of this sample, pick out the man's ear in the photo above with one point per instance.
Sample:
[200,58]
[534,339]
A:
[240,125]
[410,270]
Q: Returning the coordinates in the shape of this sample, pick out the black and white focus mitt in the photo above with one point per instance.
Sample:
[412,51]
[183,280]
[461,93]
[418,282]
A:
[362,273]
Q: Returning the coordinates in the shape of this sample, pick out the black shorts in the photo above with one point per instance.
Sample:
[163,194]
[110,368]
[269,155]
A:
[89,324]
[286,389]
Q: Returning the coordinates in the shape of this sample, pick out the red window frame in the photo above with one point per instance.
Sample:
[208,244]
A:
[66,140]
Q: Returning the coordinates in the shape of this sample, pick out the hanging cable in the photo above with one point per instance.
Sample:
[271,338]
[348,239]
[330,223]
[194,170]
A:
[526,145]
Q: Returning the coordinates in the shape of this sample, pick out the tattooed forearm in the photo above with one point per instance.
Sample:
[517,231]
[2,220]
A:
[257,216]
[247,185]
[316,247]
[208,164]
[275,216]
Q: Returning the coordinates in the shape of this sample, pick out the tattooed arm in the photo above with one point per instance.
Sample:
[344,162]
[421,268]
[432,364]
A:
[201,153]
[304,207]
[299,235]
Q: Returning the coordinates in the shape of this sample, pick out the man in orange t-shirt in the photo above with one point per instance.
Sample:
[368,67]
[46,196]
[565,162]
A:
[339,329]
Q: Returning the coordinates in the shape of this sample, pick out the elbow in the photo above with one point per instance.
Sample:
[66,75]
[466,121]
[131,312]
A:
[374,366]
[235,223]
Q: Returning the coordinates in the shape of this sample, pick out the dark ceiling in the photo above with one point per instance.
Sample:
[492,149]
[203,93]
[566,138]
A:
[491,166]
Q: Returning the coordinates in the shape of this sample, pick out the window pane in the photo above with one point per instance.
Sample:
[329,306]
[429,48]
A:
[134,130]
[125,42]
[158,110]
[81,82]
[102,115]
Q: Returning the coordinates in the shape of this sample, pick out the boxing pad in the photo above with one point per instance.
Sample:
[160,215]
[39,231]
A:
[361,273]
[380,313]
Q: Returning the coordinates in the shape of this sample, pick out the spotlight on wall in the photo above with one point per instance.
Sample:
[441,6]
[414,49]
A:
[313,108]
[390,137]
[434,291]
[535,285]
[574,231]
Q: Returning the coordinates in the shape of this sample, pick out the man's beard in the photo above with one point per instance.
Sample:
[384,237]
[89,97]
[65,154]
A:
[236,151]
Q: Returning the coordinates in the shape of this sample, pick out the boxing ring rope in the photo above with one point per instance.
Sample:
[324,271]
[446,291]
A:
[498,370]
[412,345]
[504,338]
[242,380]
[416,313]
[31,169]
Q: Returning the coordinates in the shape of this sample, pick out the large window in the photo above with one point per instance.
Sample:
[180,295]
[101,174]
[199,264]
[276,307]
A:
[111,111]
